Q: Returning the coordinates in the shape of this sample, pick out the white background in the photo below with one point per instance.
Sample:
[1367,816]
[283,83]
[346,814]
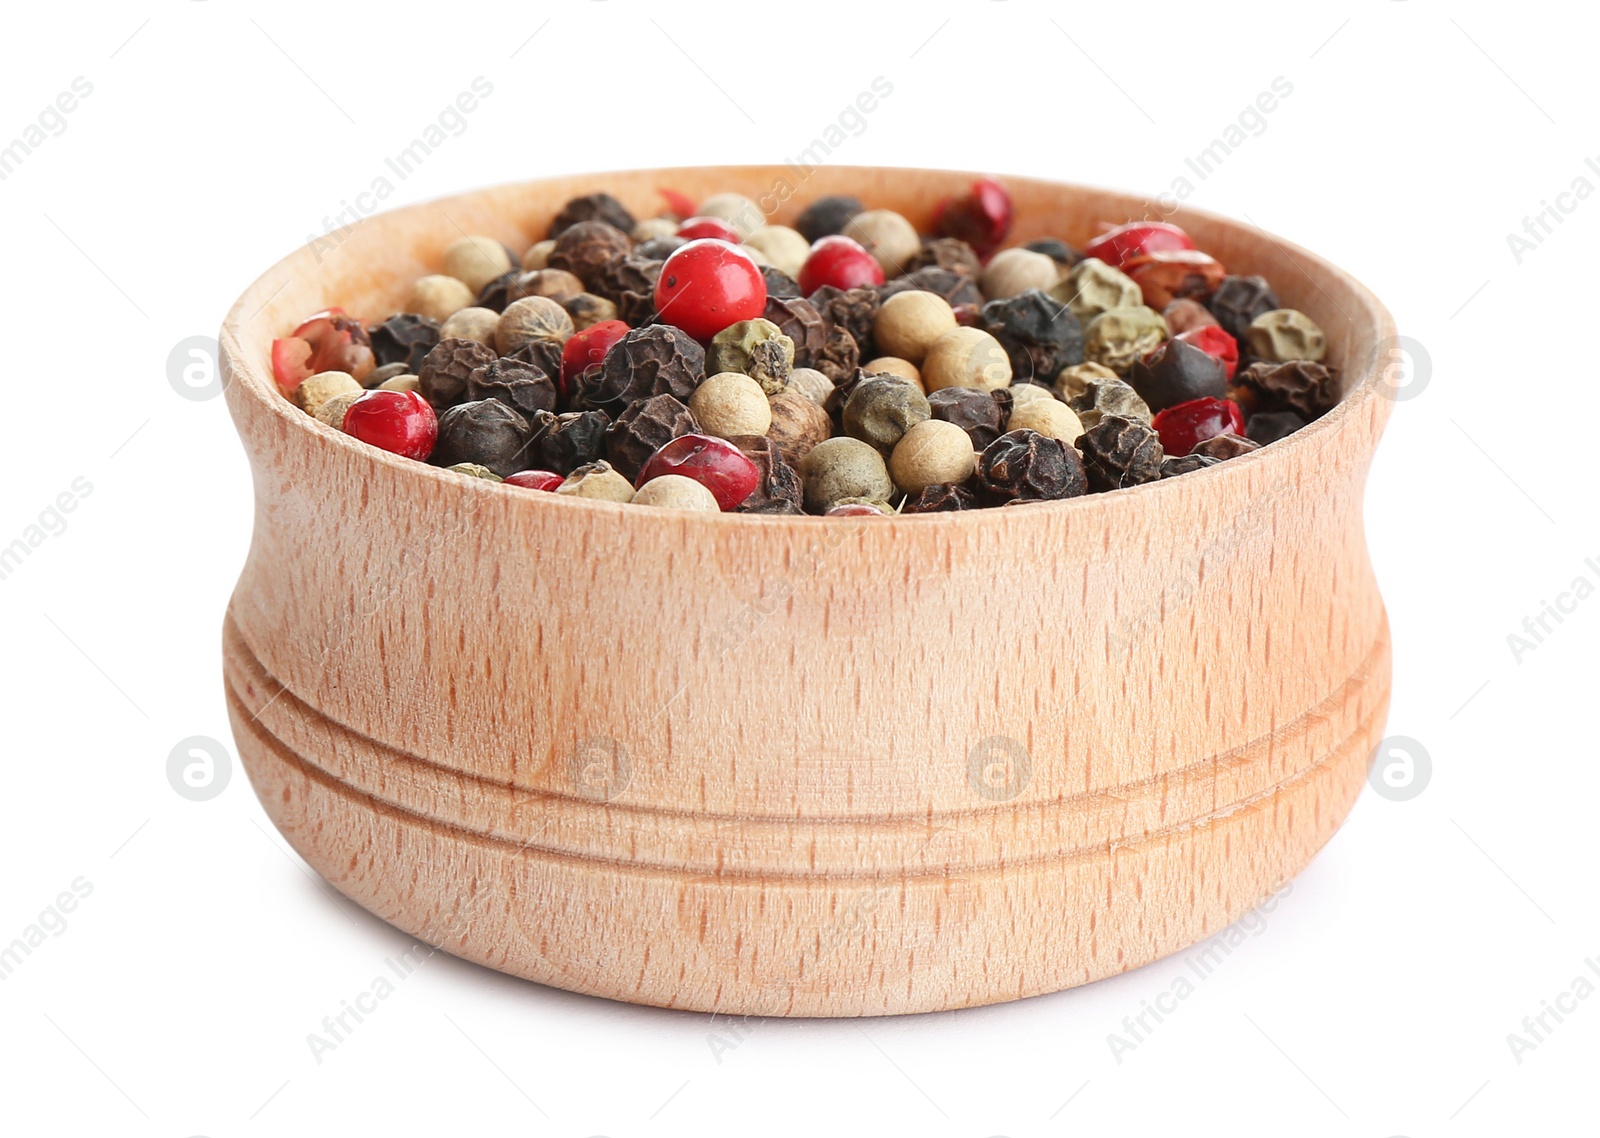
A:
[1378,995]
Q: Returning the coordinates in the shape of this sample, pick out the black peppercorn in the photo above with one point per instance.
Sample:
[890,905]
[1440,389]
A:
[941,497]
[1040,335]
[1176,372]
[798,319]
[593,207]
[573,440]
[1057,250]
[956,288]
[1027,465]
[404,338]
[443,376]
[1225,446]
[827,216]
[1269,426]
[542,354]
[658,248]
[979,413]
[499,292]
[587,249]
[1239,300]
[779,489]
[630,284]
[1120,452]
[657,359]
[1183,464]
[950,253]
[853,310]
[779,283]
[644,428]
[521,386]
[840,356]
[486,433]
[1306,388]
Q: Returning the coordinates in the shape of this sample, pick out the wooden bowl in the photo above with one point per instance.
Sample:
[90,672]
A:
[801,766]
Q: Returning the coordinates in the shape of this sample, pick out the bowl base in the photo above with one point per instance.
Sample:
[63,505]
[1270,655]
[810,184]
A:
[925,914]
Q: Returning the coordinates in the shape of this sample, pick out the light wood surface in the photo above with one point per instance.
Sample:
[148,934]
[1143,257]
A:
[805,722]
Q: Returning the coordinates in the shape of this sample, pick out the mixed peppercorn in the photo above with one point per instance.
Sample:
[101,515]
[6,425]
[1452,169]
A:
[845,366]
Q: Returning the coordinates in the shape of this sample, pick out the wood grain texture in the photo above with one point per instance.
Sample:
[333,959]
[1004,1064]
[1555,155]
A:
[797,766]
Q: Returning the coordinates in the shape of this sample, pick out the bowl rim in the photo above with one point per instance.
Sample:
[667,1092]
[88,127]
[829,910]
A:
[241,370]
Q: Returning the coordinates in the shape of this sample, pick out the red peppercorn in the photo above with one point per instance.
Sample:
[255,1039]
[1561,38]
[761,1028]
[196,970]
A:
[401,422]
[1185,425]
[697,227]
[329,340]
[981,218]
[678,202]
[707,285]
[715,463]
[840,262]
[853,510]
[1116,247]
[1216,343]
[587,348]
[535,479]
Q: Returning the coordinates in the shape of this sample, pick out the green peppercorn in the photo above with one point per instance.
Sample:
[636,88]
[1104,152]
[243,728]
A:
[1286,334]
[1119,336]
[840,468]
[881,409]
[1092,287]
[756,348]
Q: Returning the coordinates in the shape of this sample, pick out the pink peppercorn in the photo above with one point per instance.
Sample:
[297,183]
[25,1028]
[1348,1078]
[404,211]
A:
[401,422]
[715,463]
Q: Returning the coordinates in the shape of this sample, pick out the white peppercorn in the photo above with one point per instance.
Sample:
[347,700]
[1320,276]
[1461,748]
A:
[931,452]
[675,492]
[538,255]
[597,480]
[908,323]
[1049,416]
[738,211]
[897,367]
[652,227]
[587,310]
[843,468]
[333,408]
[1286,334]
[471,323]
[529,319]
[783,247]
[388,371]
[401,383]
[1092,287]
[811,383]
[315,390]
[439,297]
[966,357]
[731,403]
[1022,393]
[1015,271]
[558,284]
[475,261]
[889,237]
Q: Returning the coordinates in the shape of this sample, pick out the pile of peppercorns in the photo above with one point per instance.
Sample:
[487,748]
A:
[847,365]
